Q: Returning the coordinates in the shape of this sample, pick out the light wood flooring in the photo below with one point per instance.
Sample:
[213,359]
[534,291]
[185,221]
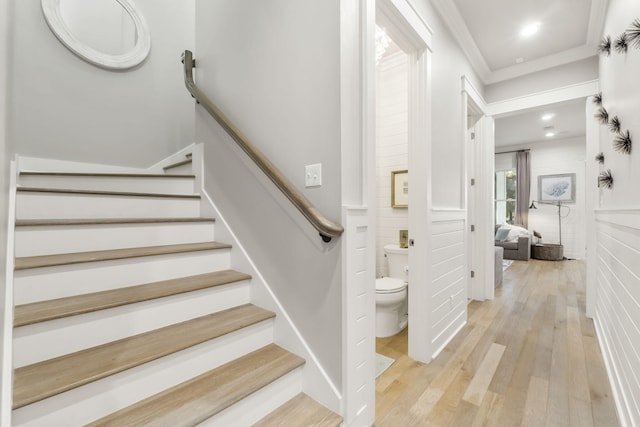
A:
[529,357]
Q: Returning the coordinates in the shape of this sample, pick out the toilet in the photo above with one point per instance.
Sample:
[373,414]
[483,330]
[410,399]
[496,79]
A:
[391,293]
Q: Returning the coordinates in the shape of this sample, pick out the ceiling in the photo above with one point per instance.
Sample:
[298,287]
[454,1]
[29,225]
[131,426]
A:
[568,121]
[489,33]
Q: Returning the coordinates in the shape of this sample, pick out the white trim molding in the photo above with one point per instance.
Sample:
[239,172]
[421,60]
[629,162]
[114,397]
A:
[6,358]
[565,93]
[454,20]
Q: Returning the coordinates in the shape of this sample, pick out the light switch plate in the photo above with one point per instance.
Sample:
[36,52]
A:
[313,175]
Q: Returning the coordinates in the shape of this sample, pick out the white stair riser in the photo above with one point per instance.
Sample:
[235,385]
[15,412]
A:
[46,340]
[48,240]
[185,169]
[95,400]
[46,283]
[261,403]
[174,185]
[34,205]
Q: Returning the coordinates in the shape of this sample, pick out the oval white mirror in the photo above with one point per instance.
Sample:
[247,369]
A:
[110,34]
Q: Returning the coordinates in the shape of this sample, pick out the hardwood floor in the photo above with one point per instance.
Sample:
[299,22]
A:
[527,358]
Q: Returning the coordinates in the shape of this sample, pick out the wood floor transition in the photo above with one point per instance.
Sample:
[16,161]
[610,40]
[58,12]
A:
[530,357]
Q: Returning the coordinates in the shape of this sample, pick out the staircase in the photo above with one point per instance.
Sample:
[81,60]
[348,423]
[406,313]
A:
[127,312]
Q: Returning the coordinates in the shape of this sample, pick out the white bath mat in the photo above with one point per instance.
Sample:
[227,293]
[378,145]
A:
[382,364]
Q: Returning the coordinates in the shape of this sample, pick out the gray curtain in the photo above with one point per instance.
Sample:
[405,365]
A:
[523,170]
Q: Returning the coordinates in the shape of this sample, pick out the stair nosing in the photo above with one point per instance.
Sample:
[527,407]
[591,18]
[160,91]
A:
[39,261]
[42,311]
[101,361]
[106,174]
[210,385]
[105,193]
[104,221]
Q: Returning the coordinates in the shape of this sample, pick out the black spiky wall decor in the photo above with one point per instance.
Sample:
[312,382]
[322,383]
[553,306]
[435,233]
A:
[633,34]
[622,142]
[620,45]
[614,124]
[605,179]
[602,115]
[600,158]
[597,98]
[604,48]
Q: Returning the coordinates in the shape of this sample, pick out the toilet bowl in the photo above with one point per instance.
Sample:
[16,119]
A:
[391,304]
[391,293]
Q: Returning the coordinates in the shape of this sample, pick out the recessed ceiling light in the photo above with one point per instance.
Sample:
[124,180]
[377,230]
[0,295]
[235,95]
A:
[519,60]
[530,29]
[550,134]
[547,117]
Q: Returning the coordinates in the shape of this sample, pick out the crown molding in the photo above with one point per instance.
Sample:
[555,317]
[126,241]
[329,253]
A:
[540,64]
[596,21]
[454,21]
[451,16]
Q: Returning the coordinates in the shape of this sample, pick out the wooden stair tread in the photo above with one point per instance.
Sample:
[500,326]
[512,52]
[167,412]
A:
[106,175]
[108,221]
[40,380]
[28,314]
[301,411]
[22,263]
[202,397]
[105,193]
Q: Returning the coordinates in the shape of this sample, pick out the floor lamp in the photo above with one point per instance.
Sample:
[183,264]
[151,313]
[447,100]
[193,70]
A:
[557,203]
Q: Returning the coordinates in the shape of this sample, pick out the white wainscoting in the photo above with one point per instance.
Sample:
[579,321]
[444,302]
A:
[449,275]
[617,306]
[359,311]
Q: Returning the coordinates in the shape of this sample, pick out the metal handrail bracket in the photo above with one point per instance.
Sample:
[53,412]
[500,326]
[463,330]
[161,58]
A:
[327,228]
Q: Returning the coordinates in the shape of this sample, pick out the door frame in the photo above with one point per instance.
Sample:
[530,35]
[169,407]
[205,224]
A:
[411,33]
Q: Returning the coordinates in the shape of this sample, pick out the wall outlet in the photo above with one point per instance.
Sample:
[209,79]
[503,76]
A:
[313,175]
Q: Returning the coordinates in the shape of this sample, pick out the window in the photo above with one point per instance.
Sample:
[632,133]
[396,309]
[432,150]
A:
[505,190]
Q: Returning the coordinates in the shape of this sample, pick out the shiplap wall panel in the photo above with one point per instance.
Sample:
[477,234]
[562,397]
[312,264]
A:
[617,307]
[448,298]
[392,144]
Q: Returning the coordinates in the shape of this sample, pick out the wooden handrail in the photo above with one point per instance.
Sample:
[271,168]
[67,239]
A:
[327,228]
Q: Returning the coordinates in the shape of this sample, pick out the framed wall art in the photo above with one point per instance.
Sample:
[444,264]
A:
[557,188]
[400,189]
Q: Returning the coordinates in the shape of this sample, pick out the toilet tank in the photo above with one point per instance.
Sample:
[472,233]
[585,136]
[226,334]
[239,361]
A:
[397,261]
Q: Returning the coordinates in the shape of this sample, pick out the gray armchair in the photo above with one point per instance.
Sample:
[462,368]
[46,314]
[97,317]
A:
[520,250]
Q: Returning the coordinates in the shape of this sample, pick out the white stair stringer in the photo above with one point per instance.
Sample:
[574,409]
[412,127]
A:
[69,238]
[69,205]
[316,381]
[75,279]
[46,340]
[137,183]
[84,404]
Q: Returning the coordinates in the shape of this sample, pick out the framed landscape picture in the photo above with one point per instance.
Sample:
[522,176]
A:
[559,187]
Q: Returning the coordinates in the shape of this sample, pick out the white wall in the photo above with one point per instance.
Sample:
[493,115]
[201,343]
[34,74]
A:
[449,65]
[617,295]
[392,144]
[556,77]
[556,157]
[64,108]
[273,68]
[6,154]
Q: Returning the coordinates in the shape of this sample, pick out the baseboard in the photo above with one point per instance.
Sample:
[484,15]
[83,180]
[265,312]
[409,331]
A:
[614,379]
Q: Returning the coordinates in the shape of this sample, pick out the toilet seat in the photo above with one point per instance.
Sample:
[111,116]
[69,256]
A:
[389,285]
